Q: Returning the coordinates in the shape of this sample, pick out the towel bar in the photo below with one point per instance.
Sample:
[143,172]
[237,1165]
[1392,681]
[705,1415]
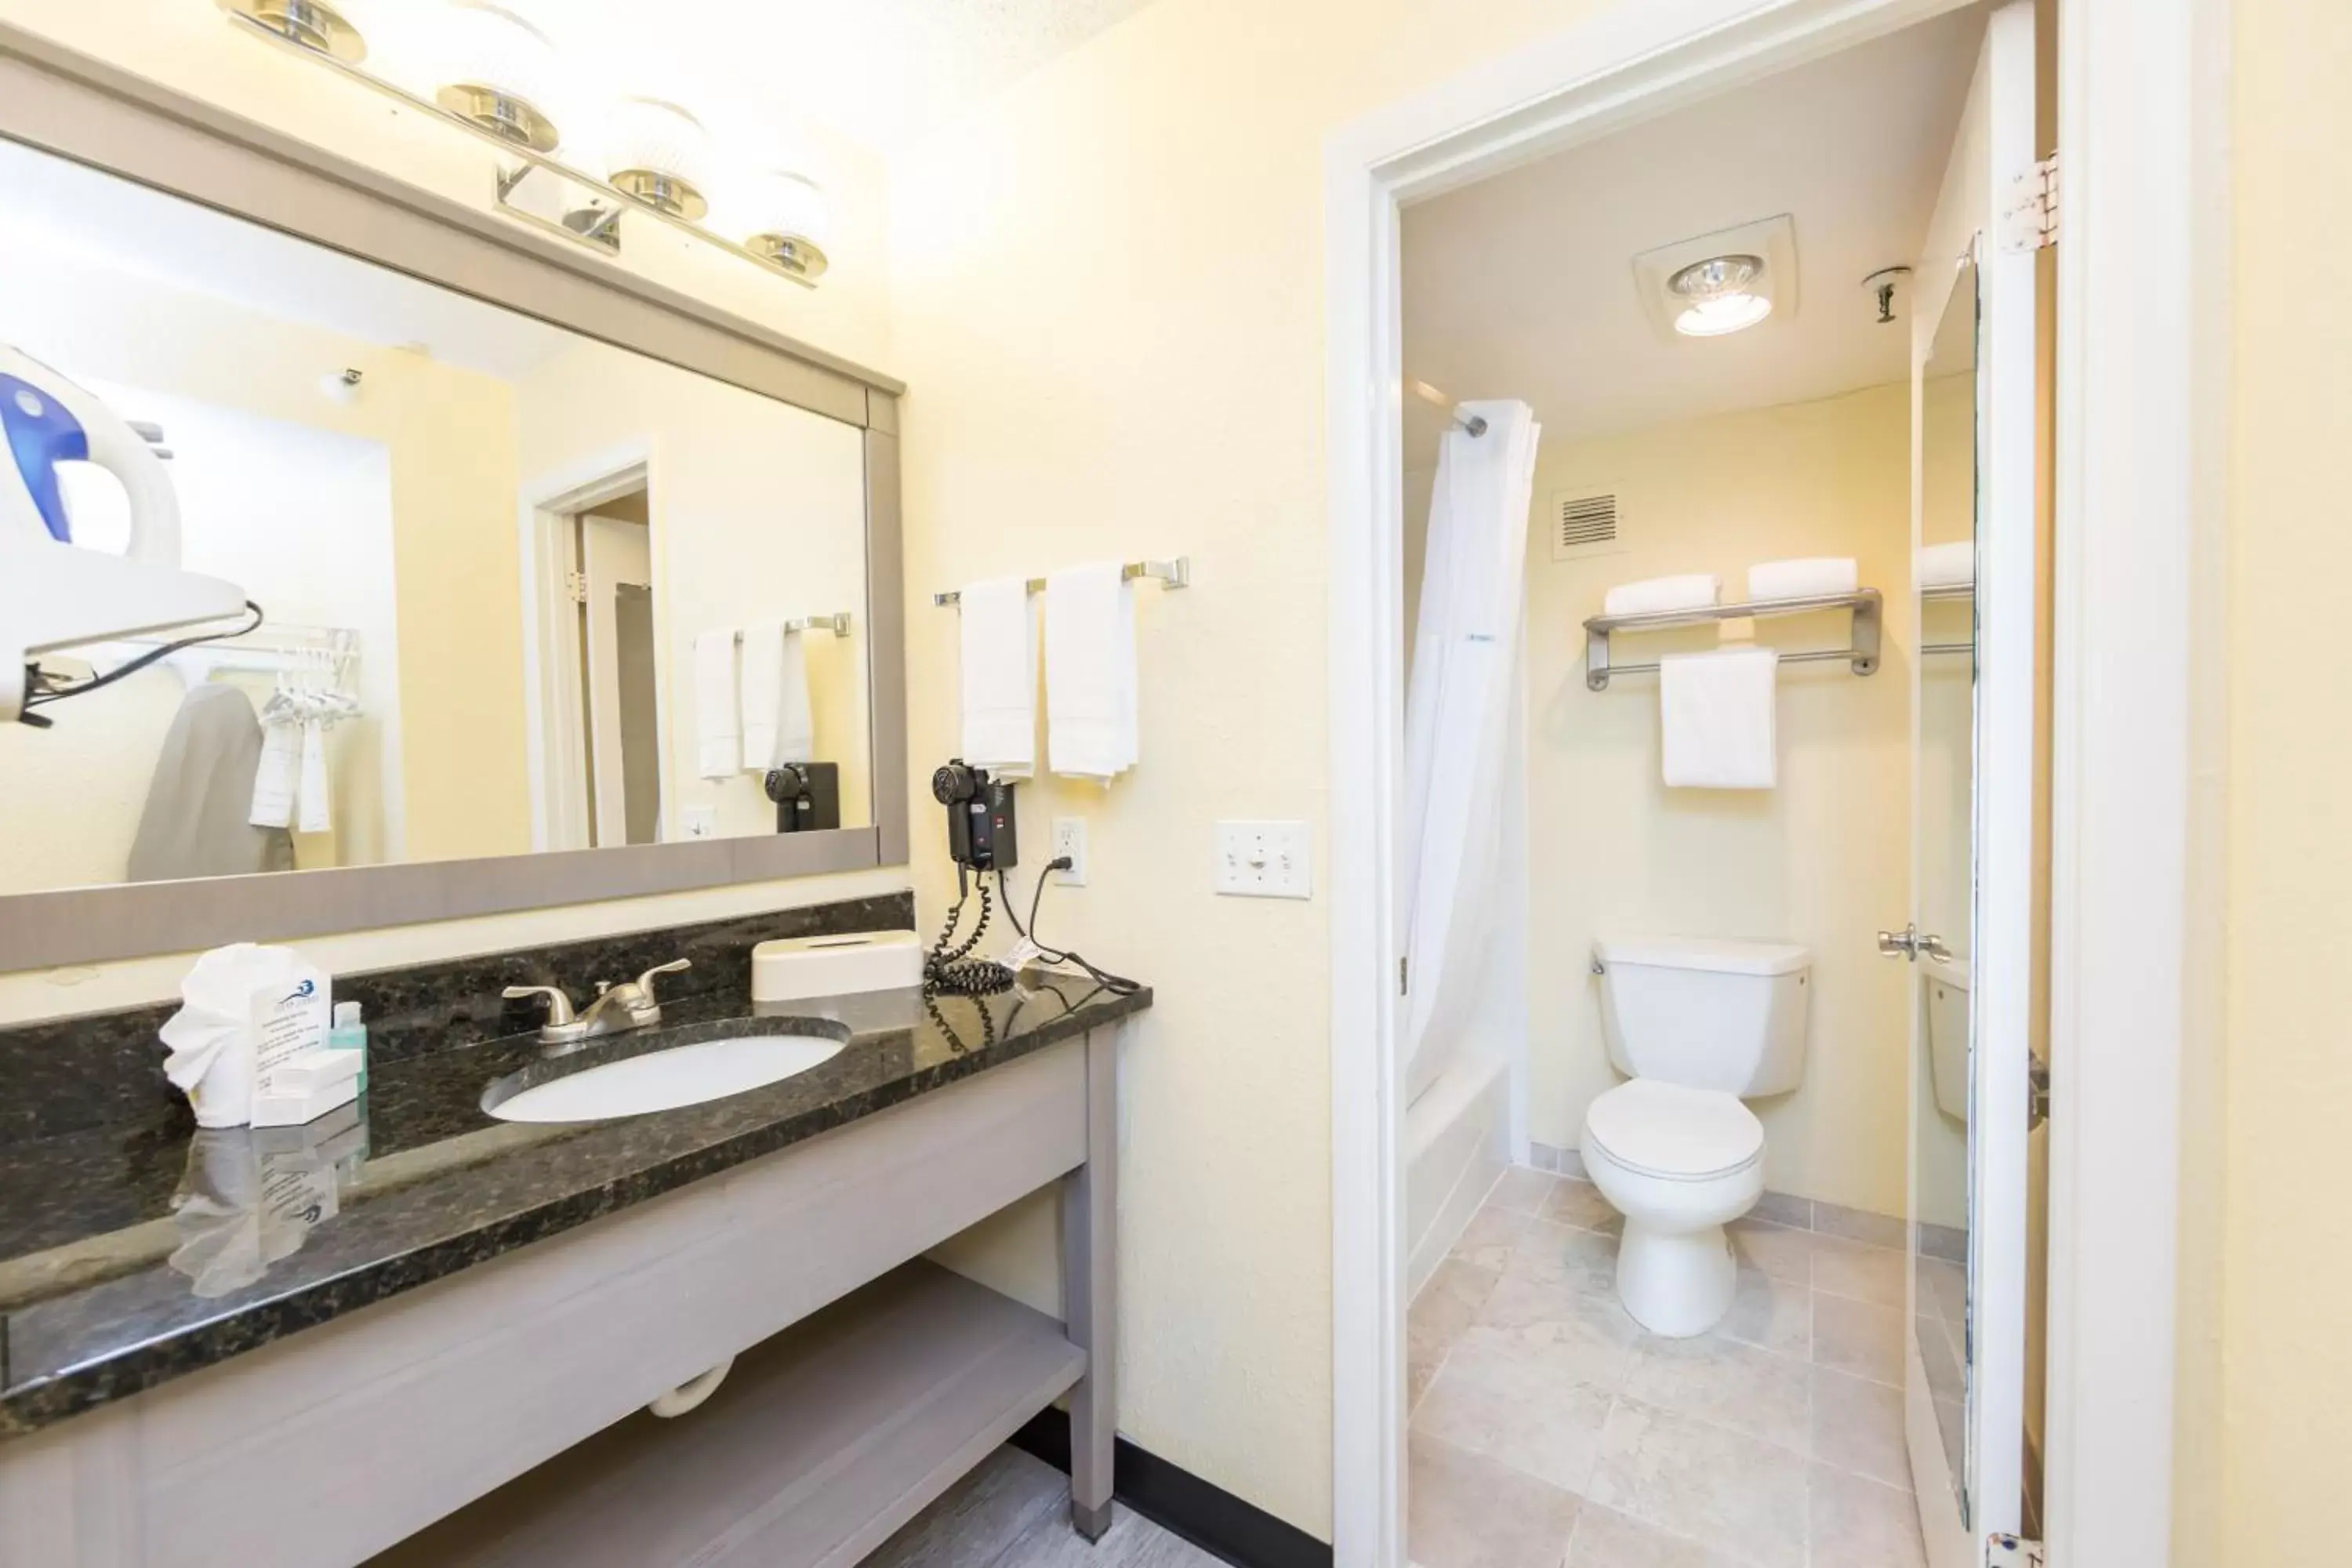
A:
[837,624]
[1176,574]
[1862,651]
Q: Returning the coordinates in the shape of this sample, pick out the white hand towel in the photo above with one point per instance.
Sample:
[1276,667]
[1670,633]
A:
[1091,710]
[763,663]
[318,814]
[1810,578]
[1716,718]
[1693,591]
[717,731]
[275,777]
[796,711]
[1952,565]
[999,643]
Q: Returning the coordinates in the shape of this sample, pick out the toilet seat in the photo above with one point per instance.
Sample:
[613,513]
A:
[1673,1133]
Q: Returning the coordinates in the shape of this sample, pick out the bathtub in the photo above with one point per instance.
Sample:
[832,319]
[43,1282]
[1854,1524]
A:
[1457,1141]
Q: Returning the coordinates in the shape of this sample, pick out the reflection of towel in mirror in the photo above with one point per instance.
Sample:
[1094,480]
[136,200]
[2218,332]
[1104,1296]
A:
[779,725]
[194,822]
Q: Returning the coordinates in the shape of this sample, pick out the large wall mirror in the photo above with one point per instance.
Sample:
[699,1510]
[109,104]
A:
[522,592]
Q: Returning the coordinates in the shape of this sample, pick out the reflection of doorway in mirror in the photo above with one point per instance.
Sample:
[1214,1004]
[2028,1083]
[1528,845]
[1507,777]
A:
[617,631]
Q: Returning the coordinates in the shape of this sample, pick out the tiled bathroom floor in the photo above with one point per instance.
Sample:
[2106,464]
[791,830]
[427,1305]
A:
[1549,1428]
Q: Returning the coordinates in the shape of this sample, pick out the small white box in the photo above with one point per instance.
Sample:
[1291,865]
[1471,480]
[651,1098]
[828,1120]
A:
[797,968]
[297,1108]
[308,1072]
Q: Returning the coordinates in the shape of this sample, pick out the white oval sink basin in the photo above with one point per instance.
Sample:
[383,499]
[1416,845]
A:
[667,1079]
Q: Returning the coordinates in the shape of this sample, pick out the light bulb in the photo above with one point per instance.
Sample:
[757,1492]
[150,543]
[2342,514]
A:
[1724,314]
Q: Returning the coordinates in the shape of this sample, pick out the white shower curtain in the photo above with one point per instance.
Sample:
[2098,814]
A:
[1457,726]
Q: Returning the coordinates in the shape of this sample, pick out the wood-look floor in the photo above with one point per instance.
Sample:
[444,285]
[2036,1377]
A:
[1013,1511]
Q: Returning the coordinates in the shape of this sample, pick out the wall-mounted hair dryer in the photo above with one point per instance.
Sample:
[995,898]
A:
[55,593]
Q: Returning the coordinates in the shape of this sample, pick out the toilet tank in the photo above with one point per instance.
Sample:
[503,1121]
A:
[1705,1014]
[1946,983]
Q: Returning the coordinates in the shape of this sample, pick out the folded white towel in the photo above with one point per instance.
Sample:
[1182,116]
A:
[276,776]
[1952,565]
[1090,714]
[762,651]
[1716,718]
[1806,579]
[318,813]
[1693,591]
[796,711]
[718,724]
[779,722]
[999,646]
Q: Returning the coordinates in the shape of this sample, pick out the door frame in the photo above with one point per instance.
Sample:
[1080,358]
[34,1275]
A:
[556,738]
[2142,403]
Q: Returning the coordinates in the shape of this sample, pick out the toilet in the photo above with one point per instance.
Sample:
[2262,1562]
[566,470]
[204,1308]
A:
[1700,1025]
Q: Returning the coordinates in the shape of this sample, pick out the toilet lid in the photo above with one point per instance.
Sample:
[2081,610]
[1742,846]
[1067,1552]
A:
[1665,1130]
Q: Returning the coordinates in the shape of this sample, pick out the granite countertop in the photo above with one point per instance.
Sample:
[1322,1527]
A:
[136,1252]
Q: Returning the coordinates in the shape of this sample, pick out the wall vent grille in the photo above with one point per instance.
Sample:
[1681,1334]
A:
[1586,522]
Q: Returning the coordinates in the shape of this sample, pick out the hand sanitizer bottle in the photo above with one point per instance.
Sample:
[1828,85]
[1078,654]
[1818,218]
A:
[350,1034]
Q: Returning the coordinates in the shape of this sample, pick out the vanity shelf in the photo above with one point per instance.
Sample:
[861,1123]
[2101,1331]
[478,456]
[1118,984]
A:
[822,1442]
[1861,649]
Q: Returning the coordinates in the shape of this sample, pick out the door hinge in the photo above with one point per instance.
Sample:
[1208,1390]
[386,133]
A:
[2012,1552]
[2028,218]
[1404,981]
[575,584]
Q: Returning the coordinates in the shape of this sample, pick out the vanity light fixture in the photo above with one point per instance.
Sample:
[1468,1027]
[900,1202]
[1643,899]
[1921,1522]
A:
[657,153]
[1720,295]
[500,78]
[315,26]
[788,221]
[504,77]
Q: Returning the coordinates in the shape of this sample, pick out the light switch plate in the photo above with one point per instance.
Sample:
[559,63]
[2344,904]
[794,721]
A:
[1070,839]
[1265,860]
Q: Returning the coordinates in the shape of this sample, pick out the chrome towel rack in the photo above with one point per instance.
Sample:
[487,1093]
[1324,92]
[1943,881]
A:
[837,624]
[1861,649]
[1175,574]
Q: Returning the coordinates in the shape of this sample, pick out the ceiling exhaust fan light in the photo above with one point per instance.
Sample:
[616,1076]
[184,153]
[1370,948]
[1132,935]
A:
[1725,313]
[504,75]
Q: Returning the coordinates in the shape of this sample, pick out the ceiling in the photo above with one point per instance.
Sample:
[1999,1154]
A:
[108,225]
[1522,286]
[879,72]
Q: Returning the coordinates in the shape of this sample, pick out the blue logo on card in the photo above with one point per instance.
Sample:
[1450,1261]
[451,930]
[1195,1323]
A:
[302,993]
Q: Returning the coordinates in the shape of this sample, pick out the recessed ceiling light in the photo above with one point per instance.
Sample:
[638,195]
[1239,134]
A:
[1721,294]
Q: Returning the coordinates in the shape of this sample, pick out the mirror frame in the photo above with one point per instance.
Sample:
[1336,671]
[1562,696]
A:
[66,103]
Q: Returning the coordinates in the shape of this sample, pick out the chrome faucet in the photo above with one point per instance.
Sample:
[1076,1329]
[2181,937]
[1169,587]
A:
[617,1008]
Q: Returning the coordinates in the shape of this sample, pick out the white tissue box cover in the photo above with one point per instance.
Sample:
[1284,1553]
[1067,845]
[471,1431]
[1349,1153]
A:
[800,967]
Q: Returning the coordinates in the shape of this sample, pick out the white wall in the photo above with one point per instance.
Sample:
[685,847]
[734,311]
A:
[1823,859]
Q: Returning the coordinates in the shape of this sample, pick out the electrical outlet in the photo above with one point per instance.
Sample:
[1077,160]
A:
[701,821]
[1264,860]
[1070,840]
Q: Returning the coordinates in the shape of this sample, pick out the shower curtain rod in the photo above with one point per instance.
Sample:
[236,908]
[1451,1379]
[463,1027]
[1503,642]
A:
[1469,422]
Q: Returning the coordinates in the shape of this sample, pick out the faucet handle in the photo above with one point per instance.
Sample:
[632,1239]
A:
[646,980]
[558,1005]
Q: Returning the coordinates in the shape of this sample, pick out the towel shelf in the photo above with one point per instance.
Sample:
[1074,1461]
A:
[1176,574]
[1950,591]
[1861,650]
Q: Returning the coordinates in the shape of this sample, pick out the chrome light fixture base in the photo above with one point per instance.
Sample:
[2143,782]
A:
[663,192]
[510,119]
[306,23]
[789,253]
